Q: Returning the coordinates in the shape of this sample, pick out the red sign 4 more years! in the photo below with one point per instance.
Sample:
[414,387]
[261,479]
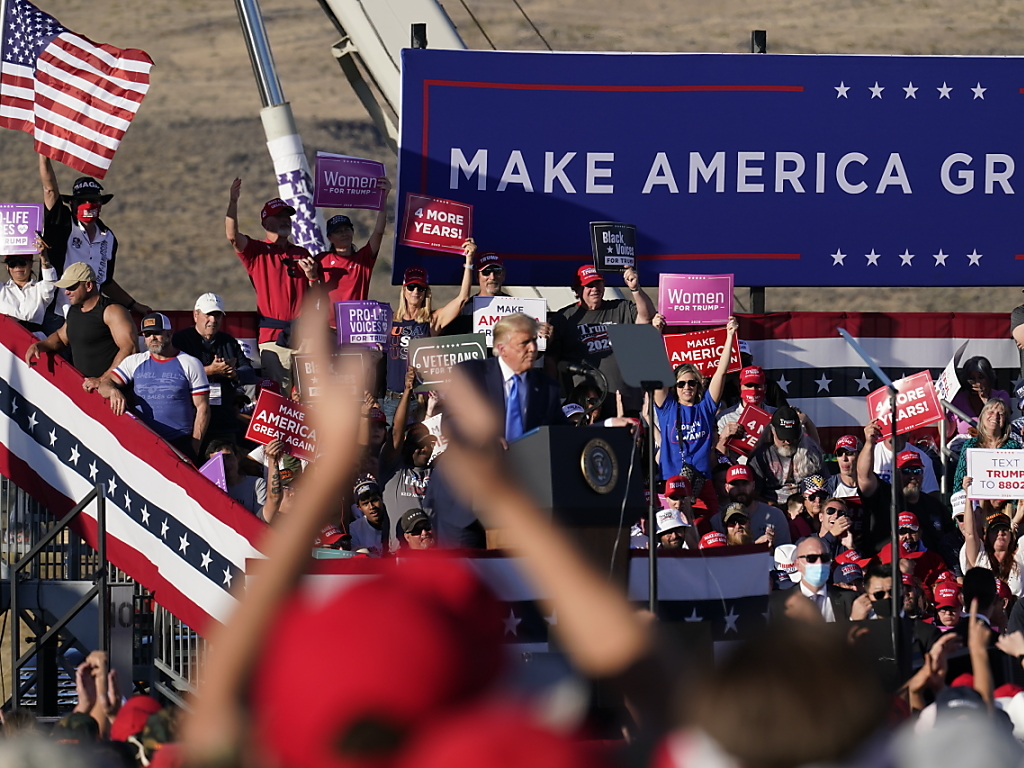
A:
[702,349]
[279,417]
[917,405]
[436,224]
[754,421]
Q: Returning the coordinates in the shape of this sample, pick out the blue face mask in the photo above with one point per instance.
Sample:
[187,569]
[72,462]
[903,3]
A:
[816,574]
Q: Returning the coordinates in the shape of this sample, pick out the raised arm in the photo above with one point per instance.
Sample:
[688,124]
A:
[275,488]
[442,317]
[51,192]
[394,447]
[867,480]
[237,239]
[718,380]
[645,311]
[972,542]
[377,236]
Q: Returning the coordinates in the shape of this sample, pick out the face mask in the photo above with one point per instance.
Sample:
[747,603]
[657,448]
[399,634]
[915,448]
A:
[883,608]
[816,574]
[87,210]
[752,396]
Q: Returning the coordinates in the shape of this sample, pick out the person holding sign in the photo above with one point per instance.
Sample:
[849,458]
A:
[346,271]
[686,417]
[24,298]
[994,545]
[416,318]
[993,432]
[979,388]
[581,329]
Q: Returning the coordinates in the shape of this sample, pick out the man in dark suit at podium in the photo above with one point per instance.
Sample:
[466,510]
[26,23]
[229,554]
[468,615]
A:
[527,396]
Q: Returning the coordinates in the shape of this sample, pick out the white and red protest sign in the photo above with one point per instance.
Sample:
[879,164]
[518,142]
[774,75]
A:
[436,224]
[996,473]
[488,310]
[917,405]
[347,182]
[702,349]
[278,417]
[754,420]
[695,299]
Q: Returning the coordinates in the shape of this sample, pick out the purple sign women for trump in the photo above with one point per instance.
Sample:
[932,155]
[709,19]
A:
[362,322]
[347,182]
[695,299]
[19,223]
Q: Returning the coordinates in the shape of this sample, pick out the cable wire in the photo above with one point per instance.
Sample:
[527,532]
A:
[478,25]
[532,25]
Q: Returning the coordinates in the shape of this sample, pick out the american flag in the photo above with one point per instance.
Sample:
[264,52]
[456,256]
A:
[76,97]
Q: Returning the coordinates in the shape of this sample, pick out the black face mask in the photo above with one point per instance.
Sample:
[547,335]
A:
[883,608]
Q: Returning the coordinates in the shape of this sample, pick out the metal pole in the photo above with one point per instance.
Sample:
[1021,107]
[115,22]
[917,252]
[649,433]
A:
[652,533]
[15,638]
[943,461]
[260,55]
[758,44]
[897,581]
[101,581]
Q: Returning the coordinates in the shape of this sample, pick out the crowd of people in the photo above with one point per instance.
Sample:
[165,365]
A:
[419,471]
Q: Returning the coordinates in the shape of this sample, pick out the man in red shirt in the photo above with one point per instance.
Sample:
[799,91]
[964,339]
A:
[280,272]
[926,565]
[347,271]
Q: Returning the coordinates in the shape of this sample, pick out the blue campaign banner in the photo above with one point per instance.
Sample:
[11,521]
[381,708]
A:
[784,170]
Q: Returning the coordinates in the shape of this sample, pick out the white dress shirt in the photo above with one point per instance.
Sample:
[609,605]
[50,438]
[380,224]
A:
[28,303]
[506,377]
[820,599]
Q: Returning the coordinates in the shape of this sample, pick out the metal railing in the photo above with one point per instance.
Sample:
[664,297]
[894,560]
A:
[178,654]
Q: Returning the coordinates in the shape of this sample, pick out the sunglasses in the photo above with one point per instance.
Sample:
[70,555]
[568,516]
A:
[492,270]
[414,288]
[835,510]
[686,383]
[818,496]
[912,471]
[740,520]
[73,288]
[825,558]
[18,263]
[905,531]
[420,530]
[881,594]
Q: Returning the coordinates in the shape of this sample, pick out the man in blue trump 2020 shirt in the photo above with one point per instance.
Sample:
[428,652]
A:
[171,389]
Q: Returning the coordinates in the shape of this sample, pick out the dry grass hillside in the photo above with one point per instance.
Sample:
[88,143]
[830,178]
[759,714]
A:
[199,126]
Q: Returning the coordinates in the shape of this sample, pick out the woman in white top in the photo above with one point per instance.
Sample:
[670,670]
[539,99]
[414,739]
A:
[998,549]
[24,298]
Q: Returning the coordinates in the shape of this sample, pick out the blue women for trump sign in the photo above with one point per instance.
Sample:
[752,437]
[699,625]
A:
[784,170]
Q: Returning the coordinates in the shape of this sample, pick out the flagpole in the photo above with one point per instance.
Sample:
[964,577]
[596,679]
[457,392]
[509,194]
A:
[895,489]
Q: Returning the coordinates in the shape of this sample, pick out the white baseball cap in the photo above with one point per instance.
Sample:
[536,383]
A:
[668,519]
[209,303]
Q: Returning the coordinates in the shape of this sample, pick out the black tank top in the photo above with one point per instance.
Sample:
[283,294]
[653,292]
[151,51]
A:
[92,345]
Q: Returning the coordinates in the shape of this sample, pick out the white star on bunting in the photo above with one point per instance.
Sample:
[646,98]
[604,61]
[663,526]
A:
[841,90]
[206,561]
[940,258]
[944,91]
[75,456]
[552,620]
[184,543]
[111,487]
[876,91]
[864,382]
[823,383]
[872,258]
[837,257]
[53,437]
[163,529]
[92,471]
[979,92]
[145,515]
[784,383]
[911,90]
[127,502]
[730,619]
[693,616]
[32,421]
[511,624]
[227,577]
[974,258]
[906,257]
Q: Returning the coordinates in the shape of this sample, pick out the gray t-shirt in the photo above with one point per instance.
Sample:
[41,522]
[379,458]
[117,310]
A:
[250,492]
[404,488]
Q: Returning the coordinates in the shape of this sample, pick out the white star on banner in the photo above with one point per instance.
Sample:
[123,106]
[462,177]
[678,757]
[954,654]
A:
[944,90]
[974,258]
[837,257]
[32,421]
[911,90]
[906,257]
[127,502]
[111,487]
[227,577]
[872,258]
[841,90]
[823,383]
[864,382]
[876,91]
[14,407]
[979,92]
[940,258]
[784,383]
[693,616]
[53,437]
[163,529]
[75,456]
[512,624]
[184,544]
[145,515]
[92,471]
[730,619]
[206,560]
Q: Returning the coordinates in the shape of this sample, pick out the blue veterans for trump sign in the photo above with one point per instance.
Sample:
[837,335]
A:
[784,170]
